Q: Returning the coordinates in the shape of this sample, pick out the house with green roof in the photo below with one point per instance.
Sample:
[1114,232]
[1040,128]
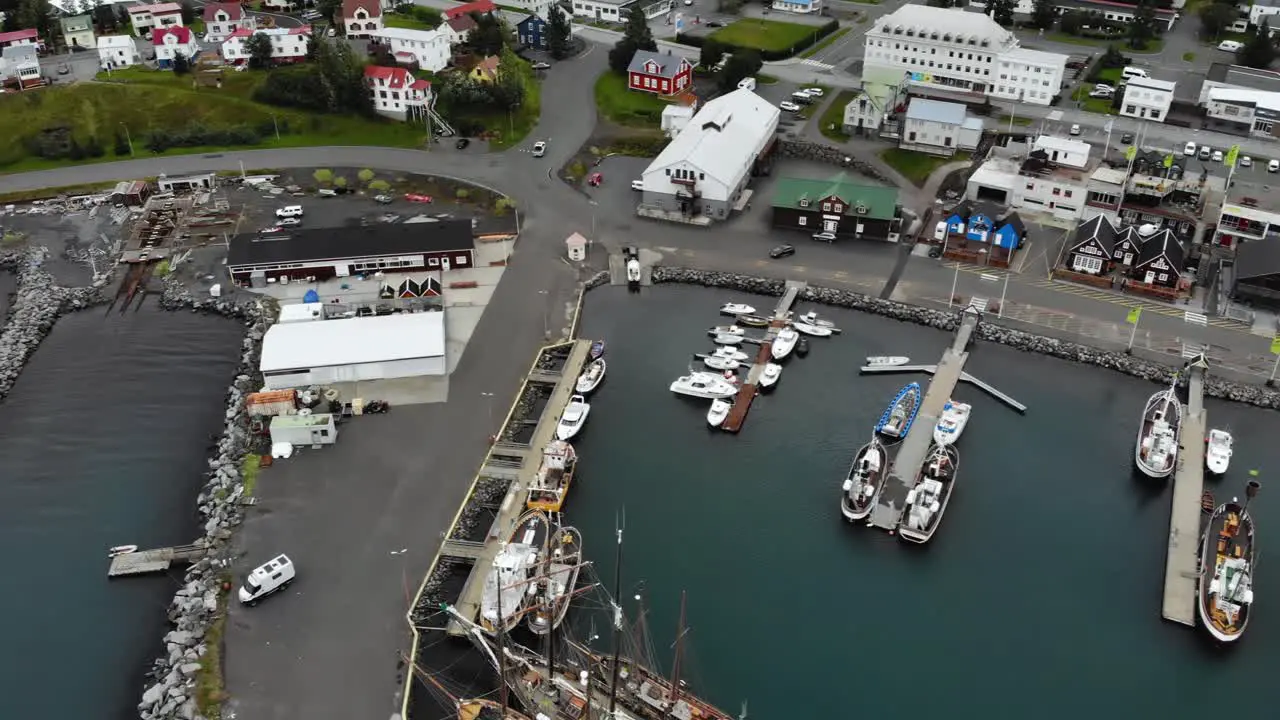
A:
[849,210]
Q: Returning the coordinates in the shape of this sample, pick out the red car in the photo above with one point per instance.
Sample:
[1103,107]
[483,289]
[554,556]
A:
[595,179]
[414,197]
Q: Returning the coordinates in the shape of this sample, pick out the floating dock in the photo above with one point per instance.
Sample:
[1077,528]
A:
[145,562]
[964,377]
[1182,561]
[747,393]
[480,554]
[887,514]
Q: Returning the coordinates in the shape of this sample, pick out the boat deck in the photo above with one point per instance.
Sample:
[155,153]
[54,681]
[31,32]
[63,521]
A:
[481,554]
[747,393]
[1182,562]
[887,514]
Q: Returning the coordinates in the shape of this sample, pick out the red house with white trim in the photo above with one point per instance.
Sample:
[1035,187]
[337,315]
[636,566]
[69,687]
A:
[479,7]
[19,37]
[658,74]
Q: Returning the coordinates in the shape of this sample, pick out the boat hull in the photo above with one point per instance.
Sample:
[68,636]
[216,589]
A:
[597,350]
[1208,561]
[753,321]
[532,529]
[1164,398]
[812,330]
[718,412]
[568,541]
[770,375]
[908,398]
[572,423]
[947,435]
[854,510]
[920,536]
[591,379]
[887,360]
[784,344]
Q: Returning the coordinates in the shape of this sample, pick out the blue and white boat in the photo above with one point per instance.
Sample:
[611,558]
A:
[597,350]
[955,415]
[897,419]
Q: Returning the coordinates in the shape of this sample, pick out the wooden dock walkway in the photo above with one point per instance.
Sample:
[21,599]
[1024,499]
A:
[887,514]
[750,388]
[1182,562]
[143,562]
[513,505]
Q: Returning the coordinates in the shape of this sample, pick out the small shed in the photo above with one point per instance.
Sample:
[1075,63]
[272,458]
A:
[301,312]
[318,429]
[577,247]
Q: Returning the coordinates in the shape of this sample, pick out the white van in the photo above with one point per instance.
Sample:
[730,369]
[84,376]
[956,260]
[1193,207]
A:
[1133,72]
[940,230]
[265,579]
[1230,45]
[747,84]
[801,97]
[289,211]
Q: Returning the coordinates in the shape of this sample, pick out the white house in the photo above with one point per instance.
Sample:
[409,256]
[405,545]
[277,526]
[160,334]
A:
[705,169]
[288,45]
[1260,10]
[396,93]
[1147,98]
[675,117]
[77,32]
[458,29]
[146,18]
[536,7]
[223,18]
[170,41]
[118,51]
[20,64]
[803,7]
[616,10]
[940,128]
[952,51]
[361,18]
[429,48]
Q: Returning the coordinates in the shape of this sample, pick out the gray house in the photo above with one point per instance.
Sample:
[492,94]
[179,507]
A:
[939,128]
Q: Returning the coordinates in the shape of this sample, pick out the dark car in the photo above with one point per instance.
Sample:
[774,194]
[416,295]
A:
[714,24]
[1126,138]
[782,251]
[462,143]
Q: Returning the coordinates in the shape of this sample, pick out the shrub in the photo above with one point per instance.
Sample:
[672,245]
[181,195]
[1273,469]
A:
[323,176]
[340,182]
[462,194]
[365,175]
[380,185]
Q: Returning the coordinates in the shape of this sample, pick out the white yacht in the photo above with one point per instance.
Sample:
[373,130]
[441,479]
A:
[813,330]
[573,418]
[955,415]
[736,309]
[709,386]
[717,362]
[718,412]
[784,343]
[1217,452]
[887,360]
[863,481]
[590,378]
[727,339]
[811,318]
[769,375]
[726,330]
[927,501]
[731,353]
[1156,451]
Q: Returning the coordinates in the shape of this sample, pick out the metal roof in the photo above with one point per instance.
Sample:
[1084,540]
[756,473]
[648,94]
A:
[353,341]
[1257,258]
[312,245]
[936,111]
[881,202]
[722,139]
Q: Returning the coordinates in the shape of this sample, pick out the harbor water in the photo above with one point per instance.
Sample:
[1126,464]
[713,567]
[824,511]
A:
[1038,597]
[102,443]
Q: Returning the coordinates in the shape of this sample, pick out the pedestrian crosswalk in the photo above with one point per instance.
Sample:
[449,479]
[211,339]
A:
[816,64]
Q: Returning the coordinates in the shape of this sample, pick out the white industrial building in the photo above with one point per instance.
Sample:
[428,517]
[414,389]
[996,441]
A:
[428,48]
[939,128]
[965,54]
[705,169]
[1147,98]
[323,352]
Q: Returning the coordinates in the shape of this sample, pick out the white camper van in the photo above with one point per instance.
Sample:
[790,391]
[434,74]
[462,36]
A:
[265,579]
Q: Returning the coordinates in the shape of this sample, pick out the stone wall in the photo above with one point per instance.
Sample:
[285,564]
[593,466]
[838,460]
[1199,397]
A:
[987,331]
[809,150]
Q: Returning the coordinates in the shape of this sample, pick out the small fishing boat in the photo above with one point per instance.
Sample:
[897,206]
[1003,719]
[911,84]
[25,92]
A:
[726,330]
[727,339]
[717,362]
[1156,452]
[887,360]
[753,321]
[811,318]
[590,379]
[736,309]
[562,565]
[802,347]
[505,592]
[784,343]
[573,418]
[1217,452]
[633,271]
[731,353]
[718,412]
[597,350]
[862,482]
[927,501]
[1226,569]
[551,485]
[770,374]
[955,415]
[813,330]
[709,386]
[122,550]
[897,418]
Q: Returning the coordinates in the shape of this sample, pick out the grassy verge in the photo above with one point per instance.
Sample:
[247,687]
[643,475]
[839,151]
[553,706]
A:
[624,106]
[1102,106]
[396,20]
[249,468]
[762,79]
[1015,120]
[915,166]
[824,42]
[1154,45]
[210,690]
[831,124]
[762,34]
[1188,57]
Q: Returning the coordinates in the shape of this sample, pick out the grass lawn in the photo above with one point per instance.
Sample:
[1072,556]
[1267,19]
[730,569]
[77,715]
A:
[508,129]
[1016,120]
[1154,45]
[762,79]
[824,42]
[397,20]
[831,123]
[762,34]
[627,107]
[916,166]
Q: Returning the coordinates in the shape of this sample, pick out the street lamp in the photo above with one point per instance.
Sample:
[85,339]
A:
[954,280]
[988,277]
[594,204]
[546,329]
[489,401]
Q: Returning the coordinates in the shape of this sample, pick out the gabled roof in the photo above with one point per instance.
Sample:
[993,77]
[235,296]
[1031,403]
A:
[488,66]
[1257,258]
[668,65]
[881,202]
[281,31]
[396,77]
[372,7]
[161,9]
[480,6]
[534,18]
[1097,228]
[234,11]
[409,34]
[721,138]
[1163,244]
[1013,220]
[78,23]
[990,211]
[1129,234]
[28,34]
[179,33]
[936,111]
[463,23]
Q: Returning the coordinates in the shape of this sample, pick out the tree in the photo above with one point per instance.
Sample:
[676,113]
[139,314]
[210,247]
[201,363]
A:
[365,175]
[488,36]
[1258,50]
[188,12]
[1071,22]
[324,176]
[1043,15]
[711,54]
[741,64]
[121,145]
[1216,18]
[1002,12]
[329,9]
[181,65]
[635,36]
[104,17]
[259,48]
[559,33]
[508,92]
[1142,28]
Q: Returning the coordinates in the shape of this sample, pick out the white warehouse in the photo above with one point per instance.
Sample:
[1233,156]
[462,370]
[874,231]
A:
[323,352]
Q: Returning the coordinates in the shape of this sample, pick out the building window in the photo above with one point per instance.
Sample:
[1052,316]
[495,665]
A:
[433,262]
[826,207]
[802,220]
[1091,265]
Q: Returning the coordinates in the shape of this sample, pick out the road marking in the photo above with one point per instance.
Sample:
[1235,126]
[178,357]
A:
[800,269]
[662,248]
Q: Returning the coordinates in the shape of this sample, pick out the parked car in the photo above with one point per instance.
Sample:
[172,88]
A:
[416,198]
[462,143]
[383,199]
[541,66]
[1230,45]
[813,92]
[276,574]
[1273,166]
[288,222]
[1098,93]
[1126,138]
[782,251]
[825,236]
[637,185]
[1104,86]
[269,230]
[63,69]
[1075,129]
[788,106]
[1217,156]
[1246,161]
[1205,152]
[539,148]
[326,192]
[289,211]
[1189,149]
[595,179]
[715,24]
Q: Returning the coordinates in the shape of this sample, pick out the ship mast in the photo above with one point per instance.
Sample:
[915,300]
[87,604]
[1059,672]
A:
[549,608]
[675,666]
[617,629]
[502,650]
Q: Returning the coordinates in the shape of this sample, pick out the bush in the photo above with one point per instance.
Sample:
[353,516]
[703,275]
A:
[365,175]
[323,176]
[196,135]
[462,194]
[340,182]
[380,185]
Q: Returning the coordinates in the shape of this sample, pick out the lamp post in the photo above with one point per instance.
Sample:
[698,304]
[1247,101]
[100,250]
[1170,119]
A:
[276,123]
[127,138]
[988,277]
[488,396]
[594,204]
[954,280]
[546,329]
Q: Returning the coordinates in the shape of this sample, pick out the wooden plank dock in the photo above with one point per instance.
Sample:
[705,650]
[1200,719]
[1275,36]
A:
[750,388]
[887,514]
[513,505]
[1182,562]
[144,562]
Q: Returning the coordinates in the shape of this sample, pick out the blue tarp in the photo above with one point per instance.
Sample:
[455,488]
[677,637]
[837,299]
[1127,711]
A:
[311,296]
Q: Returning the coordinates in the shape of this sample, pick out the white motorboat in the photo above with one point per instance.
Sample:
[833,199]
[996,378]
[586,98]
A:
[811,318]
[709,386]
[736,309]
[770,374]
[122,550]
[731,353]
[1217,452]
[1156,451]
[862,482]
[718,412]
[726,330]
[887,360]
[573,417]
[784,343]
[716,362]
[814,330]
[955,415]
[927,501]
[590,378]
[633,271]
[727,339]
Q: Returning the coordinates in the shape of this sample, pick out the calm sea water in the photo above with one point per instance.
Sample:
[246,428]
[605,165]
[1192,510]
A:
[102,442]
[1040,594]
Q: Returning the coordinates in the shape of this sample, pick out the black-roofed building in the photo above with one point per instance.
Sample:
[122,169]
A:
[1092,246]
[1128,246]
[325,253]
[1160,261]
[1257,272]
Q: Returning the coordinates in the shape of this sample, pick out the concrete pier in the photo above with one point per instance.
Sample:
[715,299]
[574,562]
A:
[1182,561]
[750,384]
[481,554]
[143,562]
[887,514]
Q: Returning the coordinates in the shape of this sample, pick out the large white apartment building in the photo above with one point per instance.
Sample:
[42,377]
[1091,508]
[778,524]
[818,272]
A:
[965,54]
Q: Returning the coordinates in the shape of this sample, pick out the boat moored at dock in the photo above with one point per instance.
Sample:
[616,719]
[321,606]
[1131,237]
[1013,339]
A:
[736,309]
[1217,452]
[811,318]
[753,321]
[784,343]
[812,330]
[954,418]
[887,360]
[590,378]
[597,350]
[897,418]
[802,347]
[505,593]
[727,339]
[573,418]
[709,386]
[726,330]
[731,353]
[1156,452]
[770,375]
[718,412]
[551,485]
[1226,570]
[927,501]
[863,481]
[719,362]
[555,588]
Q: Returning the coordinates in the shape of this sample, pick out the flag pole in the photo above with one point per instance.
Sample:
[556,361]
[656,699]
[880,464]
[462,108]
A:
[1134,333]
